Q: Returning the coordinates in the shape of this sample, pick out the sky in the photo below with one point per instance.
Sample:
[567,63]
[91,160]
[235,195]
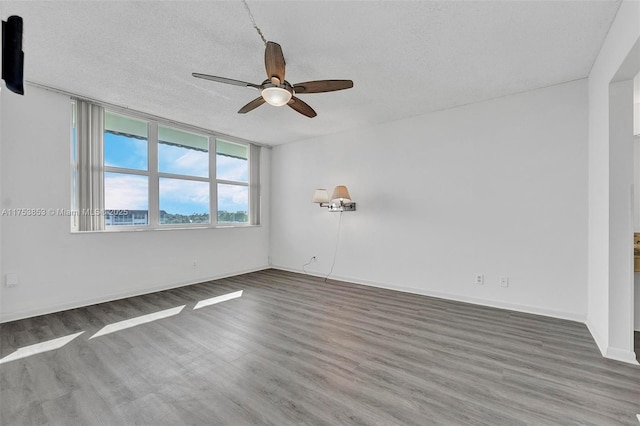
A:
[130,192]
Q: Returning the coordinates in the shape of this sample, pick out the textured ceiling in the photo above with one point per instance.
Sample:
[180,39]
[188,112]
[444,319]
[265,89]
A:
[405,57]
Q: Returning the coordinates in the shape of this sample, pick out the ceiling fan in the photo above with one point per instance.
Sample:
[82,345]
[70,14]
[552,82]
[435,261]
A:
[277,91]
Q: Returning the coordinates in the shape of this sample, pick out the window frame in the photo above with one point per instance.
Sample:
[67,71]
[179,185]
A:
[154,175]
[73,158]
[246,184]
[123,170]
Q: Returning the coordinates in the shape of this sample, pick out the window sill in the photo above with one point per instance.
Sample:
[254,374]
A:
[116,230]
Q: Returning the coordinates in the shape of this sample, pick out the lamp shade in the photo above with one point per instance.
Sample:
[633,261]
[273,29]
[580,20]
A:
[276,96]
[320,196]
[341,193]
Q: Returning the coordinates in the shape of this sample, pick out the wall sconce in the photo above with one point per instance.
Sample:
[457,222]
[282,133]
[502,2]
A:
[340,200]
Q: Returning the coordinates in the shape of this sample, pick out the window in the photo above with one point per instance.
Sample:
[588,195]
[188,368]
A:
[232,173]
[126,169]
[184,185]
[146,174]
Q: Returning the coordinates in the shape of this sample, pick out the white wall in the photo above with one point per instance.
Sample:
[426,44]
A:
[636,184]
[605,314]
[497,188]
[59,270]
[3,92]
[636,225]
[621,218]
[636,302]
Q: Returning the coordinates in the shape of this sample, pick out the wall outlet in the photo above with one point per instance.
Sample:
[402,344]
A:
[314,259]
[194,265]
[504,281]
[11,280]
[479,279]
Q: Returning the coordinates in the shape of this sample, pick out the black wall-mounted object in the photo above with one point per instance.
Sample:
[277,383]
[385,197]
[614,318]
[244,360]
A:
[12,54]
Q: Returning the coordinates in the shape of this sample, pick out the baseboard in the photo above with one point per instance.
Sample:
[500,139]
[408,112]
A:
[18,315]
[621,355]
[609,352]
[596,338]
[571,316]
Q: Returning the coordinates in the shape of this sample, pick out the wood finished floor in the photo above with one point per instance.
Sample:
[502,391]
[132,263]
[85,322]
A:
[296,350]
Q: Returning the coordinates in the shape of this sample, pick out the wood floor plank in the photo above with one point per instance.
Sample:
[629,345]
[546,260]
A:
[294,349]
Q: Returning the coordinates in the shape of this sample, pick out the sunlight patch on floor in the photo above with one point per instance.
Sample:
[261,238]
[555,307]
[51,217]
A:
[218,299]
[133,322]
[38,348]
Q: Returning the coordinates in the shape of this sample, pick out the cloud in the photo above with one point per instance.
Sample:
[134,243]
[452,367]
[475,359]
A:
[130,192]
[194,163]
[122,151]
[183,161]
[229,168]
[184,196]
[125,192]
[233,197]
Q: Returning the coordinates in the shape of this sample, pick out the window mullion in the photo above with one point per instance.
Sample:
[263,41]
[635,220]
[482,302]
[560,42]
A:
[213,182]
[111,169]
[232,182]
[154,192]
[183,177]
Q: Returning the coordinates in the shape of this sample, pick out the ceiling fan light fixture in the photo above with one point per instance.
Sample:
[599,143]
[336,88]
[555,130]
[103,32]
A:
[276,96]
[277,91]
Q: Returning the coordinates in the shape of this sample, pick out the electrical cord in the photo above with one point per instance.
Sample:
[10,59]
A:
[335,251]
[307,264]
[253,21]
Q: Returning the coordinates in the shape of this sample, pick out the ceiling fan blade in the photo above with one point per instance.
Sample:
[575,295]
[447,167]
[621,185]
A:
[320,86]
[226,80]
[252,105]
[274,61]
[301,107]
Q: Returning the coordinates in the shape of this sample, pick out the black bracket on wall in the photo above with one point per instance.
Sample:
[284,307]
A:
[12,54]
